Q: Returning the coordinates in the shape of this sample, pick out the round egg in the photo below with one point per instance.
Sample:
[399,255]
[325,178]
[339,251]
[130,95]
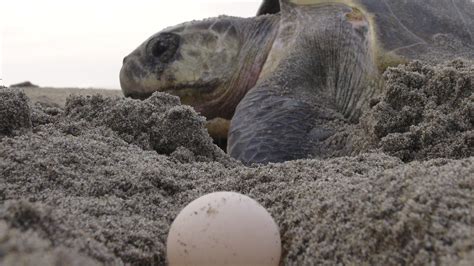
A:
[224,228]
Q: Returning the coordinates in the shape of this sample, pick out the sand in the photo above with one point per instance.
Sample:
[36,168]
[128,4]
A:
[424,112]
[57,96]
[100,180]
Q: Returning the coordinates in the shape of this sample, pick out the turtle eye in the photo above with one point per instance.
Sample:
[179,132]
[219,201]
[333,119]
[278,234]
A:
[164,46]
[158,49]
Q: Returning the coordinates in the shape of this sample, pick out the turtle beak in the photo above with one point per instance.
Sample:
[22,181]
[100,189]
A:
[142,70]
[130,70]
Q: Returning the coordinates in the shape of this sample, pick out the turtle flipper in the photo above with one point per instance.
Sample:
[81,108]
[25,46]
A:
[270,127]
[317,75]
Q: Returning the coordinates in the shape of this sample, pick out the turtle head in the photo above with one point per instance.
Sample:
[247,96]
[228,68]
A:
[190,60]
[199,61]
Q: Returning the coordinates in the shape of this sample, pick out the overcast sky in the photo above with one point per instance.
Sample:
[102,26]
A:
[63,43]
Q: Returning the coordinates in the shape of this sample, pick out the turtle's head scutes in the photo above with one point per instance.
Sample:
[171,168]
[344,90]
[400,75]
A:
[193,60]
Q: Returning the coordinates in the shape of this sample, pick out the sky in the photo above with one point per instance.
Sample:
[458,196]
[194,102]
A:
[61,43]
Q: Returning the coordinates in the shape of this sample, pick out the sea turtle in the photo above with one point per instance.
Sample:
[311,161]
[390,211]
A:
[288,76]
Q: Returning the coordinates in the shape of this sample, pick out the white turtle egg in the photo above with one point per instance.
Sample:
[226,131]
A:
[224,228]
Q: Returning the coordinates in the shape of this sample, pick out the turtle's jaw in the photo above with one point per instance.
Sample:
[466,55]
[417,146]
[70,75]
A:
[131,80]
[195,94]
[138,83]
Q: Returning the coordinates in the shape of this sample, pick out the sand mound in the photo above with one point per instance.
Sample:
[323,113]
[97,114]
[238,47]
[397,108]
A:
[15,113]
[24,85]
[425,112]
[101,182]
[158,123]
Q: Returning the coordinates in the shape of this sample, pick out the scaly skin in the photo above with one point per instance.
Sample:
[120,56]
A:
[317,72]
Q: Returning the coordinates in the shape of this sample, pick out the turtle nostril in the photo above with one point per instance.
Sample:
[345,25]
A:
[124,60]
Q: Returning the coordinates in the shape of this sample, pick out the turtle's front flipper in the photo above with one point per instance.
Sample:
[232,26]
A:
[319,73]
[271,127]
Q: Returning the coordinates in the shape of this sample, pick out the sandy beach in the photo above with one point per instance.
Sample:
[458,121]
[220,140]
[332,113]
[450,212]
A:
[98,180]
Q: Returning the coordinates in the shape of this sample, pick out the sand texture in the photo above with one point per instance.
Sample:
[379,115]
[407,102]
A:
[424,112]
[100,180]
[57,96]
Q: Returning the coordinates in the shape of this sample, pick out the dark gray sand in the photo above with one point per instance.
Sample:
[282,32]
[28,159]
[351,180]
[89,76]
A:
[423,113]
[100,181]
